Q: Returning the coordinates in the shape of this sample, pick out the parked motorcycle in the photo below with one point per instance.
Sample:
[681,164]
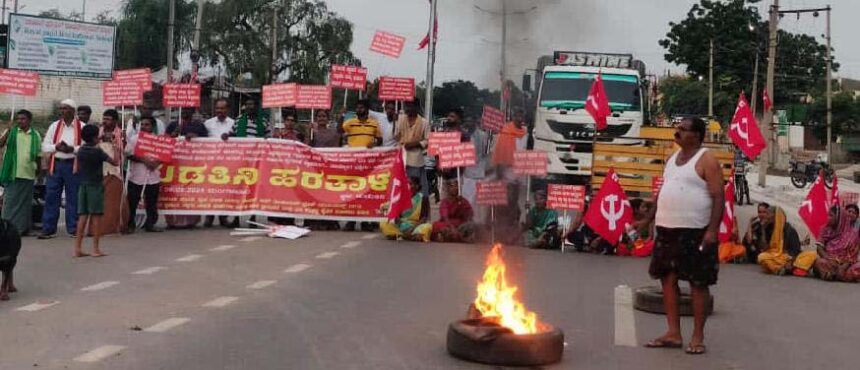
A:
[806,173]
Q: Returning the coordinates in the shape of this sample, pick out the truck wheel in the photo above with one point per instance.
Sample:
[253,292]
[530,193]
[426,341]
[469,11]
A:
[650,299]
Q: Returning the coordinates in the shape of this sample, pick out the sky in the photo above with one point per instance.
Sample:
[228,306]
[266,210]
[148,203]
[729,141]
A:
[469,38]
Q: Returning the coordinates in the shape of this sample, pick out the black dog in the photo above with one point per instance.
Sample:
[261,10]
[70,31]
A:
[10,246]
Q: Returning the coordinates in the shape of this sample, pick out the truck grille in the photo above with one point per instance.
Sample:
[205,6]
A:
[580,131]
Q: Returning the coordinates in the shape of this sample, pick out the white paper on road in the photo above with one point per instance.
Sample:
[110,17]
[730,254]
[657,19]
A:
[289,232]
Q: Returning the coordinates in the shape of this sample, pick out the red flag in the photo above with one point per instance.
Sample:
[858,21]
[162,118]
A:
[400,196]
[597,105]
[744,130]
[610,212]
[728,224]
[426,40]
[813,210]
[834,195]
[766,98]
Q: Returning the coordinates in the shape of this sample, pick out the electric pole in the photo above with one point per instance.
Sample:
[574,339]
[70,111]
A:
[195,51]
[711,82]
[431,62]
[503,79]
[753,98]
[84,11]
[767,120]
[170,20]
[829,94]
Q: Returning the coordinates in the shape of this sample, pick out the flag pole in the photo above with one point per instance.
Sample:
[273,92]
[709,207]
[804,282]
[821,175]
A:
[431,60]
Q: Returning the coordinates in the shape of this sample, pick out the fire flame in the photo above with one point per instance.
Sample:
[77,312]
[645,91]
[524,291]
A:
[496,298]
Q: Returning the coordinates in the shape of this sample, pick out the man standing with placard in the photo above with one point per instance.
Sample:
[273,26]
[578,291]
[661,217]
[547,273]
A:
[362,131]
[412,132]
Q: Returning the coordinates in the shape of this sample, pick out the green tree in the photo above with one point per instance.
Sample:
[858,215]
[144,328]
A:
[739,33]
[238,33]
[57,14]
[142,32]
[846,115]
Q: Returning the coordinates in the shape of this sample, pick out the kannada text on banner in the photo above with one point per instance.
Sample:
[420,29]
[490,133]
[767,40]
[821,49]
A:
[277,178]
[159,147]
[566,197]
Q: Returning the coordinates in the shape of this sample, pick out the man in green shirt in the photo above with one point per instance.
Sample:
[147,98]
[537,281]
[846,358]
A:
[18,172]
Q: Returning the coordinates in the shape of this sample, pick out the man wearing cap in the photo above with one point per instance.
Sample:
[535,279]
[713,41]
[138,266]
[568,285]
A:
[60,144]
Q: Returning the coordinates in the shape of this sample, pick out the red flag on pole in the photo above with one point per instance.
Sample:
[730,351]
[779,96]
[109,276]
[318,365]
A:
[426,40]
[597,104]
[728,224]
[766,99]
[610,212]
[813,210]
[400,196]
[744,130]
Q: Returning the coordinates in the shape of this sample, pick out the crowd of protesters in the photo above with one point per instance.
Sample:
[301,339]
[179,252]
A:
[82,160]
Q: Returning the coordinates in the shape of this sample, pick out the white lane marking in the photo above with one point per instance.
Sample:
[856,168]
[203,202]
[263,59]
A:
[189,258]
[625,321]
[38,306]
[327,255]
[261,284]
[299,267]
[250,239]
[99,353]
[370,236]
[167,324]
[100,286]
[350,245]
[149,270]
[220,302]
[222,248]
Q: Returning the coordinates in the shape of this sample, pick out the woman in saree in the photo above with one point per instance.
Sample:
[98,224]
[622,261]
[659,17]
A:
[783,246]
[115,219]
[455,217]
[411,224]
[837,249]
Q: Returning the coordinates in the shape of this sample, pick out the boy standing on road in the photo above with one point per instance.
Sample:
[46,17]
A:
[91,189]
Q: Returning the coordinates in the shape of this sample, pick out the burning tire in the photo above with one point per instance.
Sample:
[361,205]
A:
[650,299]
[482,341]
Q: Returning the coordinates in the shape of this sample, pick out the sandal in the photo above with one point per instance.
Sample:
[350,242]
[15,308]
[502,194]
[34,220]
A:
[663,343]
[697,349]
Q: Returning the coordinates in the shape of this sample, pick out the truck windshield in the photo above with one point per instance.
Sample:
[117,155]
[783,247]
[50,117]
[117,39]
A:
[569,90]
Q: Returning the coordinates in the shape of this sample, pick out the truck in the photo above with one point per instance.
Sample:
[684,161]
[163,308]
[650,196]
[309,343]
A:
[562,127]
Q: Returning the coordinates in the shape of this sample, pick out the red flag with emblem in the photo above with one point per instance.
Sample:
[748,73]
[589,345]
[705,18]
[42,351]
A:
[813,210]
[597,104]
[426,40]
[834,194]
[727,225]
[744,130]
[610,212]
[400,196]
[766,99]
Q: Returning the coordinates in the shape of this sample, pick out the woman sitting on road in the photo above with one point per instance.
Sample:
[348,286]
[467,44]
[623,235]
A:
[541,229]
[783,247]
[455,217]
[838,247]
[411,224]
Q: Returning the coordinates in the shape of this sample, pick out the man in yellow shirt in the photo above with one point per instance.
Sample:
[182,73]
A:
[362,131]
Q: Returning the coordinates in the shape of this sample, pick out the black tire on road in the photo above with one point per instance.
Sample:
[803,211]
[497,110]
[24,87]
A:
[506,349]
[650,299]
[798,180]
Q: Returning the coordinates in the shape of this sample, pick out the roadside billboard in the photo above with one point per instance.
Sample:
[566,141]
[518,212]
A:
[61,48]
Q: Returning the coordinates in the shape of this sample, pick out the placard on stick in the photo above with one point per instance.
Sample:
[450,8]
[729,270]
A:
[142,76]
[530,163]
[181,95]
[348,77]
[313,97]
[460,155]
[442,139]
[396,88]
[279,95]
[565,197]
[492,193]
[18,82]
[492,119]
[387,44]
[158,147]
[120,93]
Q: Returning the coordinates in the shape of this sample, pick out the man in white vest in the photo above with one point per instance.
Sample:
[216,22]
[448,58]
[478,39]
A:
[688,215]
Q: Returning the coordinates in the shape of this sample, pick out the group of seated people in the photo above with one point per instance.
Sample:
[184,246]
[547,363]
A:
[774,244]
